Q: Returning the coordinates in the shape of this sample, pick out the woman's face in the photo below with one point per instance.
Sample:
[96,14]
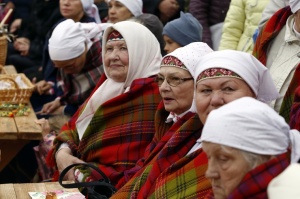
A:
[170,45]
[226,168]
[215,92]
[118,12]
[72,66]
[116,60]
[177,99]
[71,9]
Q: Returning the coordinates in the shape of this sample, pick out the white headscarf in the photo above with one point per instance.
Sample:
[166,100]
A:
[254,73]
[91,9]
[250,125]
[295,5]
[144,61]
[190,55]
[134,6]
[286,184]
[68,41]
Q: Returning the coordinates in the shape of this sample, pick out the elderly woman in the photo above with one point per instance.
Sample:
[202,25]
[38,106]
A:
[177,124]
[121,10]
[225,76]
[116,123]
[247,144]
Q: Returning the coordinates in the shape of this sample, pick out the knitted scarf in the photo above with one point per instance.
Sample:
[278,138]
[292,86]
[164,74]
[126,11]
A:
[119,132]
[295,111]
[167,171]
[254,184]
[268,33]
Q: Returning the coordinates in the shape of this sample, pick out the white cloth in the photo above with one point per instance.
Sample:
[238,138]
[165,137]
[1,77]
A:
[144,61]
[68,41]
[286,184]
[295,5]
[91,9]
[94,30]
[250,125]
[134,6]
[255,74]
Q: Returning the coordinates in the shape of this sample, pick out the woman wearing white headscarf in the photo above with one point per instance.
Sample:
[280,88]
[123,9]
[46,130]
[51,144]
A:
[114,126]
[177,124]
[247,144]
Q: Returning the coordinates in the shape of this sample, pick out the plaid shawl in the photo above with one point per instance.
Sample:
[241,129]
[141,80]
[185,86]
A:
[119,132]
[295,111]
[254,184]
[167,171]
[77,88]
[268,33]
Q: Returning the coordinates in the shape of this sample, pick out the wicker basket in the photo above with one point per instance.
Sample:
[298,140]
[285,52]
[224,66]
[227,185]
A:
[2,70]
[3,50]
[16,95]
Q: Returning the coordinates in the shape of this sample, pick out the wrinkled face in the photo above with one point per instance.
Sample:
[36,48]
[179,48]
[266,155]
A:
[71,9]
[176,99]
[72,66]
[118,12]
[215,92]
[226,168]
[116,60]
[170,45]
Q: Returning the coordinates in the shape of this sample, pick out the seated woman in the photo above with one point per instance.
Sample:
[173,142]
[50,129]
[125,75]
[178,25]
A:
[175,113]
[180,163]
[247,144]
[114,126]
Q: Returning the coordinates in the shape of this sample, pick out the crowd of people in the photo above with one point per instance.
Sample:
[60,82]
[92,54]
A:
[169,99]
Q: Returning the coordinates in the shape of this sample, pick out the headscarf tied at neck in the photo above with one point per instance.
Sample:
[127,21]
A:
[250,125]
[295,5]
[144,61]
[187,59]
[91,9]
[134,6]
[246,66]
[69,40]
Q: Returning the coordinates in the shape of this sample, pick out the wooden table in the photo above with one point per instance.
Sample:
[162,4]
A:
[16,132]
[20,191]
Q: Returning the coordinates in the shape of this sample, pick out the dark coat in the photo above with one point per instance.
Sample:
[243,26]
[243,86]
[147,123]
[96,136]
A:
[208,13]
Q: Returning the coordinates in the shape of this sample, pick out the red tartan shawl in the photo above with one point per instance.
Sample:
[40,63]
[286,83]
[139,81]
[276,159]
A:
[167,161]
[268,33]
[254,184]
[118,133]
[295,111]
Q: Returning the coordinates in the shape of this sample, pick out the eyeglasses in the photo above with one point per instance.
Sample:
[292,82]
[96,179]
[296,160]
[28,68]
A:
[172,81]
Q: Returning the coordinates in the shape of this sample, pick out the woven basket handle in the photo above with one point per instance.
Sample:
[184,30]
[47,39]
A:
[10,80]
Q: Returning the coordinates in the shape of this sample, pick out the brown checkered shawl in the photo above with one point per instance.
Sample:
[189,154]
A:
[167,171]
[265,38]
[119,132]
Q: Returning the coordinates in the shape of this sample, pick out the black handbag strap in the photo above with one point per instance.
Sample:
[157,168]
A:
[106,182]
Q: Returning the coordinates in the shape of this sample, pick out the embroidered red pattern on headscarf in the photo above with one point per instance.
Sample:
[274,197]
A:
[172,61]
[216,72]
[115,36]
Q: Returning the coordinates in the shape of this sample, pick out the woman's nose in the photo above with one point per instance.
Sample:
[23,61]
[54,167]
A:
[217,99]
[211,173]
[114,55]
[164,86]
